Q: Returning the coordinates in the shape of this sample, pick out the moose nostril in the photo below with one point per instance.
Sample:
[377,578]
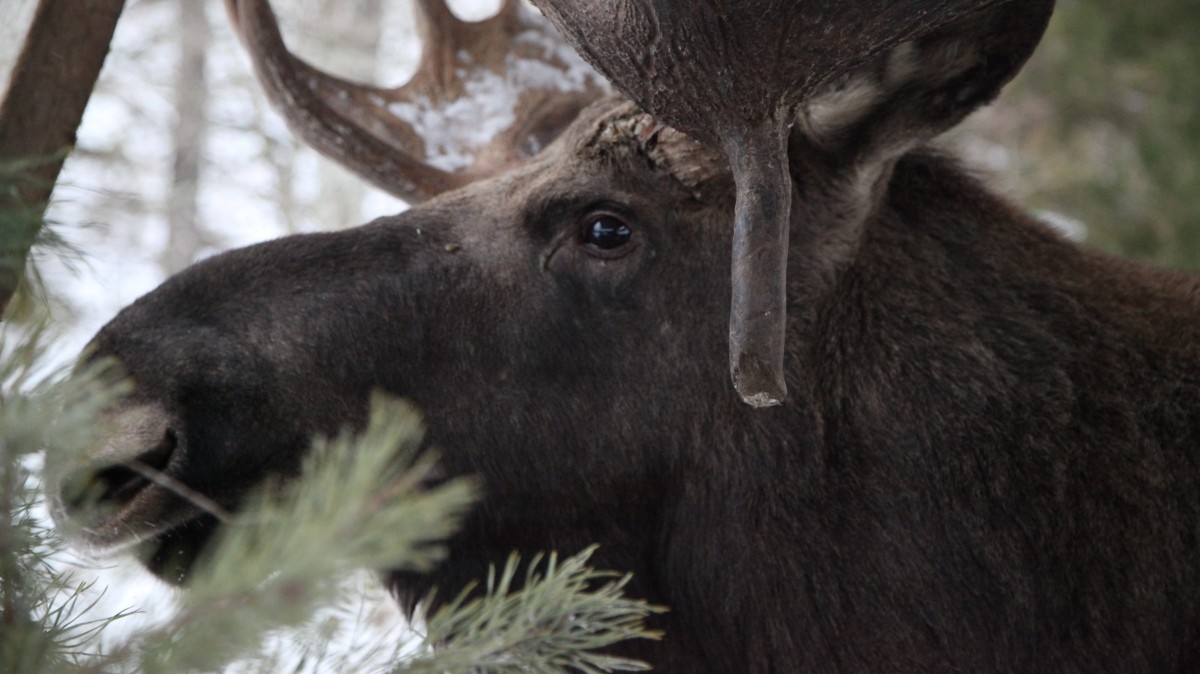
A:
[118,484]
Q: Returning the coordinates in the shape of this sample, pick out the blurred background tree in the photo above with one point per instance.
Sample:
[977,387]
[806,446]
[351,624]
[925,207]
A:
[1102,127]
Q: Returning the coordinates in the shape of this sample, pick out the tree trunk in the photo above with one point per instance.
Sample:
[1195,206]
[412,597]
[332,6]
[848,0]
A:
[186,236]
[62,50]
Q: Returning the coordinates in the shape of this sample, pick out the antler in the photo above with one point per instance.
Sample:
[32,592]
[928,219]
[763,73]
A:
[486,96]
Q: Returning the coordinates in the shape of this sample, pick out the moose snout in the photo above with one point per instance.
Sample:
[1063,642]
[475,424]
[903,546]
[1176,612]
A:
[123,482]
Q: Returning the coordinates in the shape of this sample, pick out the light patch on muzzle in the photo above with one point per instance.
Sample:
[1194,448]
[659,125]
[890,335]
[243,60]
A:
[124,494]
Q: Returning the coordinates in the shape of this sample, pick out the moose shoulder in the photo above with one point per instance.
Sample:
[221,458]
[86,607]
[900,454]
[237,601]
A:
[987,460]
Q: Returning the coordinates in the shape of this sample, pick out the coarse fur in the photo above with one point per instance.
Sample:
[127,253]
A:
[987,461]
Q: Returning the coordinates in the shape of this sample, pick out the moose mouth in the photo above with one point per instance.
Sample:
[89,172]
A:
[138,504]
[134,508]
[173,554]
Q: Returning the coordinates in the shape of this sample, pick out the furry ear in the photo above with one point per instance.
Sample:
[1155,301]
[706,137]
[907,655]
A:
[920,88]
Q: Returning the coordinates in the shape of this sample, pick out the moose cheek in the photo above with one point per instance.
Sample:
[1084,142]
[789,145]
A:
[597,280]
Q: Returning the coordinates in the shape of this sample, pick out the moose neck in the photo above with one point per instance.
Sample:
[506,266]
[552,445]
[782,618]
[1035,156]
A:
[834,197]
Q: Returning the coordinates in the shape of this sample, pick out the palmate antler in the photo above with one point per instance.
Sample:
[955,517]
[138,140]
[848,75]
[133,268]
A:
[486,96]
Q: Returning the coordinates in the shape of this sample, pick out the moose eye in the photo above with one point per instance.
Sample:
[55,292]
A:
[606,232]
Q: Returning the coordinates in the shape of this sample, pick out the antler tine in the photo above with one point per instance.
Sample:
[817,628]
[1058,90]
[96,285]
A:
[426,137]
[510,8]
[314,104]
[440,31]
[435,10]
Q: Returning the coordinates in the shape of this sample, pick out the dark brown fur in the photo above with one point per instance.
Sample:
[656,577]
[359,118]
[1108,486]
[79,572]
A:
[987,461]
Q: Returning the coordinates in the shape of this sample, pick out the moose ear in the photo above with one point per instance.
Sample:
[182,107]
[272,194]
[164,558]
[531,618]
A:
[917,89]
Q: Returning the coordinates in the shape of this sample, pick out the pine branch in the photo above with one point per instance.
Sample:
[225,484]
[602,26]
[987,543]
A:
[40,629]
[25,237]
[360,503]
[554,624]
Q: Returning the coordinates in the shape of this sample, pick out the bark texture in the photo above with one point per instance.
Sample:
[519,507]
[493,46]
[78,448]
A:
[51,82]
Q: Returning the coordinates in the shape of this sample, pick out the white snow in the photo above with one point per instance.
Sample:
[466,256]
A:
[453,131]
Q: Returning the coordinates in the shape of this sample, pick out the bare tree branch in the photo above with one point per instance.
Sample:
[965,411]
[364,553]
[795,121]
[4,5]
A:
[63,50]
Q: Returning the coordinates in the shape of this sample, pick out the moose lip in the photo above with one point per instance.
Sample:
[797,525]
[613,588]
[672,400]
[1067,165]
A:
[165,532]
[172,555]
[147,514]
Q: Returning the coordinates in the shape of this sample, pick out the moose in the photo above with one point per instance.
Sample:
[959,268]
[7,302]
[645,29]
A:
[988,458]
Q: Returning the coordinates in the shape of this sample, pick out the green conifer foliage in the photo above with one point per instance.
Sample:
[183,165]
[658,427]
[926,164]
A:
[40,605]
[22,228]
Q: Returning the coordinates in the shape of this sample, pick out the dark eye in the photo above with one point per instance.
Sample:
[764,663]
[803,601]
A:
[606,232]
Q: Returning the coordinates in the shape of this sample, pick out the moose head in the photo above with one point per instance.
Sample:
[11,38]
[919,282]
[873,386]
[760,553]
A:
[986,458]
[737,73]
